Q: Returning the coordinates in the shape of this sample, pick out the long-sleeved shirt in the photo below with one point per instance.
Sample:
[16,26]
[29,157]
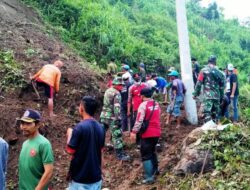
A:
[4,147]
[49,74]
[144,112]
[111,109]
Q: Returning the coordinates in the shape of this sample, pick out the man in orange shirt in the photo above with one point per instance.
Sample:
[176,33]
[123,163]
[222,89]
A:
[49,77]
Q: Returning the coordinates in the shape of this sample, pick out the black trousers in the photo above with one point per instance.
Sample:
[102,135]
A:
[148,149]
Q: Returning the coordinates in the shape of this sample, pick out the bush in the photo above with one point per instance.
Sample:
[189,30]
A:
[244,100]
[10,72]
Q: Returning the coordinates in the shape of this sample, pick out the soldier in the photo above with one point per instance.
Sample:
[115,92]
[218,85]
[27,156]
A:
[213,82]
[111,116]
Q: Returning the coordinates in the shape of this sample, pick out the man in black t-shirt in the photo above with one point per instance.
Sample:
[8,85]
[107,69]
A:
[85,143]
[233,92]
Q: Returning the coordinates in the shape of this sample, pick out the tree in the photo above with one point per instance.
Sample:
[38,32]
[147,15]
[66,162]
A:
[212,12]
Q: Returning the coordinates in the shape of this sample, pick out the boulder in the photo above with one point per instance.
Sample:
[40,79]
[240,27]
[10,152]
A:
[192,156]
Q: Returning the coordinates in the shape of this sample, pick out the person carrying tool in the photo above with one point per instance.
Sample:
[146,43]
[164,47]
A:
[178,91]
[49,78]
[148,126]
[111,116]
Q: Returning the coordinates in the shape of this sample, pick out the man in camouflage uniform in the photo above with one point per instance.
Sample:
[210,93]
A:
[111,116]
[213,83]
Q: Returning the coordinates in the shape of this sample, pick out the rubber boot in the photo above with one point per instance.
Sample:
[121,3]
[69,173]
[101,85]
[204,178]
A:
[148,170]
[155,165]
[121,155]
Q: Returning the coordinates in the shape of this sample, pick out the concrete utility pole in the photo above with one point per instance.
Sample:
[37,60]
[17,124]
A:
[186,67]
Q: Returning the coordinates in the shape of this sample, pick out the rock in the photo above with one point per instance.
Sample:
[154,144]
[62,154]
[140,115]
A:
[192,157]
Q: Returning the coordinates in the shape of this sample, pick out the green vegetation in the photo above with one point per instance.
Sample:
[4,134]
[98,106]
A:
[231,150]
[145,30]
[10,72]
[244,99]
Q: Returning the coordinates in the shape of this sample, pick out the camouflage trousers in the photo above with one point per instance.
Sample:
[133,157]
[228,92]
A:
[210,109]
[116,132]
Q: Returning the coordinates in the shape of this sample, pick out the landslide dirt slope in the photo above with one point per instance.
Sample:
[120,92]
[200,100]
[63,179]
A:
[33,44]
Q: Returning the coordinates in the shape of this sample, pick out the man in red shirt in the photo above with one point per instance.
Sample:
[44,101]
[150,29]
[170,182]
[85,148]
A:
[134,98]
[149,110]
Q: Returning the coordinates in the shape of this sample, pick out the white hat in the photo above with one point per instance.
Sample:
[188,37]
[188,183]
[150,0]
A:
[171,69]
[230,67]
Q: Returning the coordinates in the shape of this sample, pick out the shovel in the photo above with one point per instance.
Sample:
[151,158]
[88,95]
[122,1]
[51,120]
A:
[34,87]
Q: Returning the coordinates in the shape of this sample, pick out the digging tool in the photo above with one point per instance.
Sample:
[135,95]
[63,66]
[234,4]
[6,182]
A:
[34,87]
[129,123]
[172,106]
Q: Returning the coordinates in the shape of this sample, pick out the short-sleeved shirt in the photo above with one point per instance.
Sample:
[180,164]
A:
[134,96]
[161,82]
[87,140]
[3,162]
[234,79]
[35,153]
[178,85]
[49,74]
[112,68]
[128,75]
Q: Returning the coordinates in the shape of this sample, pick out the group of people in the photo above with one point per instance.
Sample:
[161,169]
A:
[128,106]
[218,89]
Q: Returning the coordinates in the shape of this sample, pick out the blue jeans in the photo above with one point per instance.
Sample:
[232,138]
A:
[234,104]
[176,112]
[80,186]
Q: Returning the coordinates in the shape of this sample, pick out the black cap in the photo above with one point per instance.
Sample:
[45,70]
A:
[147,92]
[30,116]
[154,75]
[212,59]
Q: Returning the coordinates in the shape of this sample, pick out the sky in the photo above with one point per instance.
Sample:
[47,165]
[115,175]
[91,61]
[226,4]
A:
[232,8]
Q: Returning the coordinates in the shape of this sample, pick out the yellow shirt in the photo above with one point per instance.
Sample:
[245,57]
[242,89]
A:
[49,74]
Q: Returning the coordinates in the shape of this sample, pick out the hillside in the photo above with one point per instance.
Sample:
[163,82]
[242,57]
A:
[85,34]
[134,31]
[26,44]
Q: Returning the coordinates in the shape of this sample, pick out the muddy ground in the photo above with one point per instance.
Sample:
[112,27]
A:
[34,45]
[117,174]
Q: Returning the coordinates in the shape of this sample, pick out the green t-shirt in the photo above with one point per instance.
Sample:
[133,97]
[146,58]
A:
[35,153]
